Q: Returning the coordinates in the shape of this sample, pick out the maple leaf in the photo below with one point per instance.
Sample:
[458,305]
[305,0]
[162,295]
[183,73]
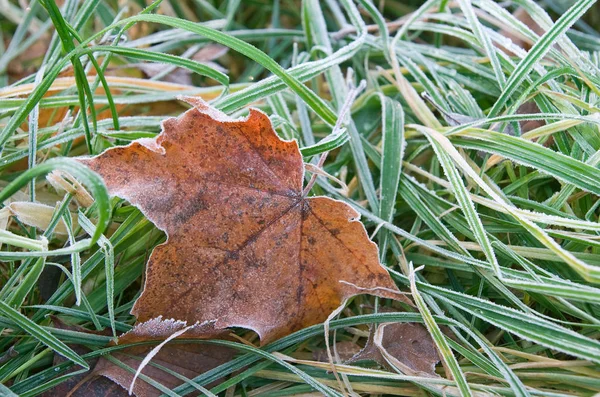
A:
[245,247]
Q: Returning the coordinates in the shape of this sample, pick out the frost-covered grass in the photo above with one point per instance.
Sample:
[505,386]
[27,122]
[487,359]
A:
[468,154]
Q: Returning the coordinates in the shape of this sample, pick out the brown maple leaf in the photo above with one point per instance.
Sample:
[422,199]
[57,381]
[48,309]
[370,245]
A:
[245,247]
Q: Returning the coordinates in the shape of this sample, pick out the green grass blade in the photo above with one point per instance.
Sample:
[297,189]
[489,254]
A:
[539,49]
[439,339]
[41,334]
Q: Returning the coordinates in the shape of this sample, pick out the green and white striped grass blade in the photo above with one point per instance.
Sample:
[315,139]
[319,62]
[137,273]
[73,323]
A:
[500,366]
[6,392]
[521,151]
[109,267]
[409,192]
[539,49]
[40,334]
[335,78]
[484,40]
[392,154]
[439,338]
[590,273]
[466,204]
[75,259]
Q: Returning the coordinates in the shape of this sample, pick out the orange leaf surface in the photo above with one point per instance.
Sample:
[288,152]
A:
[245,247]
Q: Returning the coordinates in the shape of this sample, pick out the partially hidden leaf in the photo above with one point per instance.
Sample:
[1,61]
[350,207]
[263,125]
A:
[245,247]
[41,334]
[82,383]
[345,351]
[406,346]
[174,364]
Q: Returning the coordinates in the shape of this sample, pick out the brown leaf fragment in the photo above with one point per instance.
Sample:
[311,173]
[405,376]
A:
[86,384]
[108,379]
[529,108]
[210,52]
[517,38]
[244,247]
[186,359]
[177,75]
[345,349]
[408,346]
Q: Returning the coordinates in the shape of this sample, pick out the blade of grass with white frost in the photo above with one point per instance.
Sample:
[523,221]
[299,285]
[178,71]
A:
[34,117]
[466,204]
[109,267]
[484,40]
[83,89]
[392,153]
[335,78]
[540,15]
[475,224]
[539,49]
[75,259]
[413,199]
[16,240]
[590,273]
[439,338]
[504,369]
[41,334]
[5,391]
[558,165]
[533,216]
